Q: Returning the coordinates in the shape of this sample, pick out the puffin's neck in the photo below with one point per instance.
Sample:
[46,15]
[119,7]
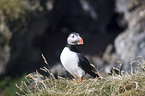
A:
[72,47]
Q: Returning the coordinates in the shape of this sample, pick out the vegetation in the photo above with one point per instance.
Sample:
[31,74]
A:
[13,14]
[8,85]
[116,85]
[11,10]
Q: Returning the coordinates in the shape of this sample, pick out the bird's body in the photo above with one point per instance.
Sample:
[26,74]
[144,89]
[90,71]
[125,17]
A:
[73,61]
[70,61]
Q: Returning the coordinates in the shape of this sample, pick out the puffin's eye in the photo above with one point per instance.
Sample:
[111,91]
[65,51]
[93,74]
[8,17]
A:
[73,36]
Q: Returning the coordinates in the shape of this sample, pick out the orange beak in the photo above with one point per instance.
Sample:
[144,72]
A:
[81,41]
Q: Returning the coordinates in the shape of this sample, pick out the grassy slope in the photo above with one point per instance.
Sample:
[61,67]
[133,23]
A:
[116,85]
[126,85]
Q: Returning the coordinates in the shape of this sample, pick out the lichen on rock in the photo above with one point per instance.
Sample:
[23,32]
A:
[5,36]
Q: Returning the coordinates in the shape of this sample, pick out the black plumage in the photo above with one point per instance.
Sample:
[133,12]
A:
[83,61]
[85,65]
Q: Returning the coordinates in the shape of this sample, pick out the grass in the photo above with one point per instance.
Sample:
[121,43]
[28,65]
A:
[8,84]
[12,10]
[116,85]
[14,13]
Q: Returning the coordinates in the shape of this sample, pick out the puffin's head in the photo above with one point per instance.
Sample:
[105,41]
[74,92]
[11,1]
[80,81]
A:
[74,39]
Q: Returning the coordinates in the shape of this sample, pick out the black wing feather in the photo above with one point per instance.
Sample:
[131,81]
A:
[85,65]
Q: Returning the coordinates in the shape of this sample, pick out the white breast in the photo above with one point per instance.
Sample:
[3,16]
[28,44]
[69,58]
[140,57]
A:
[69,60]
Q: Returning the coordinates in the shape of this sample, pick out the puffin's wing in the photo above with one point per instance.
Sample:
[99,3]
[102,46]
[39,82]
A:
[85,65]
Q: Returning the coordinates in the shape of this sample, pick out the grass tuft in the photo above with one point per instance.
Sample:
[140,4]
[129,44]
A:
[116,85]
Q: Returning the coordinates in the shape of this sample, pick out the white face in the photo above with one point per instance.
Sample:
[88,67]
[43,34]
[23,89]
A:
[74,39]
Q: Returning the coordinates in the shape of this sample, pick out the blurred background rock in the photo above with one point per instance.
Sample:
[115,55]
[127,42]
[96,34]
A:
[113,30]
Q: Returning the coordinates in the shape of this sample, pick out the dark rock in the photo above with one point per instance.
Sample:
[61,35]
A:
[49,24]
[25,56]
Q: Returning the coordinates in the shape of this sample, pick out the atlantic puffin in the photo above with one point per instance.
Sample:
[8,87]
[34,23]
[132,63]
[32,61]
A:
[74,61]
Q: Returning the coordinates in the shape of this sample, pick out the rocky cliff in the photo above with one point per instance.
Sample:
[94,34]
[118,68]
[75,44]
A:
[46,24]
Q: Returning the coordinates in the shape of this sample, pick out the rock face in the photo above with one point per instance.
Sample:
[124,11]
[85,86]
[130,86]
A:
[5,36]
[48,25]
[131,43]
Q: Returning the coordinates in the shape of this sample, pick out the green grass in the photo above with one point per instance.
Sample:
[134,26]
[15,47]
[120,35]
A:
[14,13]
[8,85]
[11,10]
[116,85]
